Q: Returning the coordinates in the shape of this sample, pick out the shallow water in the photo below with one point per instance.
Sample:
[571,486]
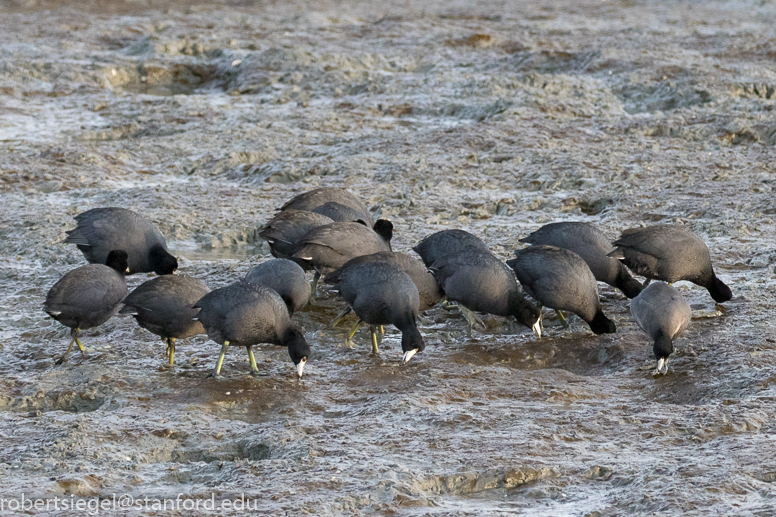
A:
[496,119]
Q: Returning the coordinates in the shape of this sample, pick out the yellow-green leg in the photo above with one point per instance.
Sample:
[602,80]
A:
[382,330]
[217,370]
[373,330]
[69,348]
[562,319]
[254,368]
[471,318]
[353,329]
[80,346]
[170,352]
[351,333]
[341,316]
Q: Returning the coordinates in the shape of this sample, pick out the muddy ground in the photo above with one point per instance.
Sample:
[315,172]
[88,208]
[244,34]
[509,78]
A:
[496,118]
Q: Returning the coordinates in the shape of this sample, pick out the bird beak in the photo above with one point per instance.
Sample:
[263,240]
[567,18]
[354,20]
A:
[408,355]
[126,271]
[537,328]
[660,363]
[300,367]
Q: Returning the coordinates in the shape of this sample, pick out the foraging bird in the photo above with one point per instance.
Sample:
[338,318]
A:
[592,245]
[381,293]
[447,242]
[671,254]
[661,312]
[328,247]
[284,230]
[478,281]
[428,288]
[287,278]
[320,196]
[101,230]
[561,279]
[246,314]
[163,306]
[88,296]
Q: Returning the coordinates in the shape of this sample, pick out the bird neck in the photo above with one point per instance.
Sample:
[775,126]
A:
[663,346]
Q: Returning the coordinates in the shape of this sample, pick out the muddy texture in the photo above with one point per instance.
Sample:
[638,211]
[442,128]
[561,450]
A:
[495,118]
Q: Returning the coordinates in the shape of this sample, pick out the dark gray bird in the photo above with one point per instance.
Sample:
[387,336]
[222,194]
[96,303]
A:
[246,314]
[101,230]
[88,296]
[381,293]
[671,254]
[284,230]
[592,245]
[163,306]
[343,213]
[440,244]
[661,312]
[560,279]
[320,196]
[328,247]
[478,281]
[428,288]
[287,278]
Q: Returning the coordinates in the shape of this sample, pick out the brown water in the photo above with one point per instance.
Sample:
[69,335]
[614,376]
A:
[497,119]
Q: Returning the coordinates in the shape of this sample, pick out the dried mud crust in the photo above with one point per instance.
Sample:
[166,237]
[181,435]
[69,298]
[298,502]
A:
[495,118]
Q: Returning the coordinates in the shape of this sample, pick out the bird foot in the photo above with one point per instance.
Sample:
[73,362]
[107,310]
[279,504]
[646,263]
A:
[347,344]
[60,360]
[218,377]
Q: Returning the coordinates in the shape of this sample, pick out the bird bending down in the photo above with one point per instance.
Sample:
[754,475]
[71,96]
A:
[477,280]
[670,254]
[590,243]
[380,294]
[560,279]
[101,230]
[88,297]
[246,314]
[163,306]
[663,313]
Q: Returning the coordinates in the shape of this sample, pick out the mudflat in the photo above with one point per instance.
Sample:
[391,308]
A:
[493,117]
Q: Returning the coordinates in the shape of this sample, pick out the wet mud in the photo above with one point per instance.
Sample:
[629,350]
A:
[496,118]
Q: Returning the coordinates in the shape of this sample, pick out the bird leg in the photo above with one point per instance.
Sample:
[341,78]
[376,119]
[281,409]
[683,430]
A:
[171,349]
[382,330]
[66,354]
[646,282]
[471,318]
[254,368]
[341,316]
[78,342]
[316,277]
[354,328]
[373,330]
[217,370]
[562,319]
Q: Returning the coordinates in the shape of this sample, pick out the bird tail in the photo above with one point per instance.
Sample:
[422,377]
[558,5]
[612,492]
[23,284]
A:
[76,237]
